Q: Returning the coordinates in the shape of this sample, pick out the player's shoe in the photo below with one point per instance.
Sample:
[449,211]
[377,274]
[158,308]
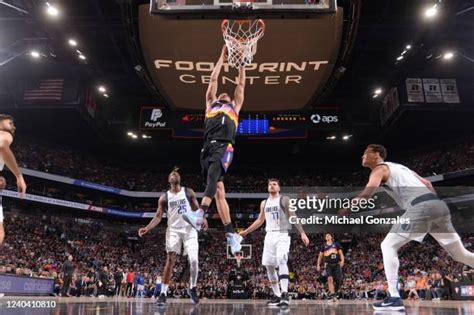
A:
[275,300]
[234,240]
[195,218]
[285,300]
[161,302]
[193,295]
[390,304]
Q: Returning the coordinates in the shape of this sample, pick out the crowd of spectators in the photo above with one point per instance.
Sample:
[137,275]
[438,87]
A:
[111,260]
[81,165]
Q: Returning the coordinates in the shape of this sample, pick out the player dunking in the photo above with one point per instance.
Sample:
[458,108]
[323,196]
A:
[334,261]
[222,116]
[275,212]
[426,212]
[177,201]
[7,131]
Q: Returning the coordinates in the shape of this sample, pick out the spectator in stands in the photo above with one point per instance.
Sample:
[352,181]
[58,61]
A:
[130,281]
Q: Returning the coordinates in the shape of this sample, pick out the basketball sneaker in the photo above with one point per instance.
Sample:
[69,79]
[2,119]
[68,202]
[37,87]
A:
[390,304]
[234,240]
[195,218]
[161,302]
[285,300]
[193,295]
[274,301]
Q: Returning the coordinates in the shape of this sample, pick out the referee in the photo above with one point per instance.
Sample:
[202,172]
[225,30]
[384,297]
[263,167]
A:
[334,261]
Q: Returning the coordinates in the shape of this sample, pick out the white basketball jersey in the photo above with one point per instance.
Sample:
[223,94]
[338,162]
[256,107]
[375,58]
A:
[403,185]
[178,204]
[275,217]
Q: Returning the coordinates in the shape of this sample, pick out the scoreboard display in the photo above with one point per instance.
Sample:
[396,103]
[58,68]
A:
[251,125]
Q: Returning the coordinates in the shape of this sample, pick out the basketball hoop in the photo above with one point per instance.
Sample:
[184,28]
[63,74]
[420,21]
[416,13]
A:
[241,37]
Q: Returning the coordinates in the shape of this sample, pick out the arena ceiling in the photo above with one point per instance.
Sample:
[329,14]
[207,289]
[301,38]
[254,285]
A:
[107,34]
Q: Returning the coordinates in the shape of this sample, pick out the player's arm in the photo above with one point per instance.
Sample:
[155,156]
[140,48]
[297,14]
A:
[195,206]
[239,90]
[211,94]
[6,140]
[299,227]
[257,223]
[341,257]
[156,219]
[425,182]
[320,260]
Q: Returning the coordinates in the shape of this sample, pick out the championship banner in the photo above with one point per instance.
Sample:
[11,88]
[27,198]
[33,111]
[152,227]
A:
[414,90]
[390,104]
[432,91]
[449,90]
[294,59]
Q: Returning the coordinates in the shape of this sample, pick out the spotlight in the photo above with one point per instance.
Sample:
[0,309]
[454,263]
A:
[378,91]
[403,52]
[399,58]
[144,136]
[346,137]
[82,57]
[448,55]
[72,42]
[105,95]
[129,133]
[408,47]
[34,54]
[331,138]
[375,96]
[431,12]
[134,136]
[102,89]
[51,10]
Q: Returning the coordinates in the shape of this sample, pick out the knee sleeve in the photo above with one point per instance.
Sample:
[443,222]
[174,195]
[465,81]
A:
[213,174]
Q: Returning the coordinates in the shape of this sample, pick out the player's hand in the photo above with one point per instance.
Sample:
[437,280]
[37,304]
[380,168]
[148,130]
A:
[142,231]
[241,233]
[341,264]
[20,183]
[205,225]
[305,239]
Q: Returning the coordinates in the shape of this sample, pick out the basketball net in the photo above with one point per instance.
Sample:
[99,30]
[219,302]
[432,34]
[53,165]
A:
[241,37]
[238,258]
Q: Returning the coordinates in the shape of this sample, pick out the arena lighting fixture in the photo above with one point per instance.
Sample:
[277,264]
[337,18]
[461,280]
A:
[331,138]
[408,47]
[346,137]
[375,96]
[134,136]
[51,10]
[72,42]
[399,58]
[378,91]
[34,54]
[431,11]
[102,89]
[82,57]
[105,95]
[448,55]
[403,52]
[129,133]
